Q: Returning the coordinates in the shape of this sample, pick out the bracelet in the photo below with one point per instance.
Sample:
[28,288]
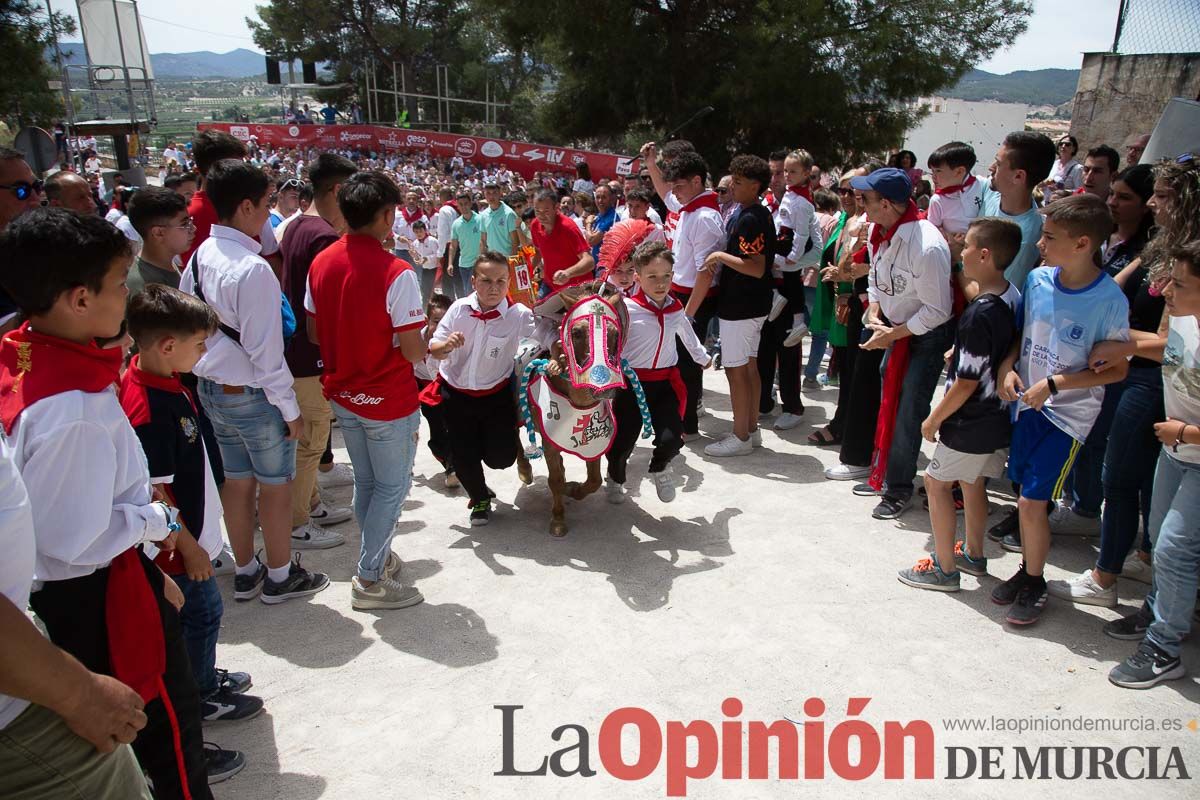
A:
[1179,438]
[172,517]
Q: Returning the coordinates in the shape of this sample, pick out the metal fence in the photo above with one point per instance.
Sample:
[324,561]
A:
[1157,26]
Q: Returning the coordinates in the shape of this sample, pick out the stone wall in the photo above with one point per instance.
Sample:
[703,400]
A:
[1120,95]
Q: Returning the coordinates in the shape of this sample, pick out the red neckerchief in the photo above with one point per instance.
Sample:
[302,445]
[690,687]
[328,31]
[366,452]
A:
[645,302]
[485,315]
[956,189]
[411,218]
[450,204]
[803,191]
[772,203]
[880,236]
[171,384]
[34,366]
[705,199]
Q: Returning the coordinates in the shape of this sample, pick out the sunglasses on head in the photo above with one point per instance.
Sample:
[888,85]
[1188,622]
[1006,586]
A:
[291,183]
[23,189]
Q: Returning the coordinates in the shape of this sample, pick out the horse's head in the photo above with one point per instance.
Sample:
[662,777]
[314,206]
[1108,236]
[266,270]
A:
[591,335]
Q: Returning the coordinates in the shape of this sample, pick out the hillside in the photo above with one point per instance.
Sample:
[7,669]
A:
[1042,87]
[238,63]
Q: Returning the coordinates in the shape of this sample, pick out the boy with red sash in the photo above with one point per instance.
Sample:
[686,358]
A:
[656,321]
[100,598]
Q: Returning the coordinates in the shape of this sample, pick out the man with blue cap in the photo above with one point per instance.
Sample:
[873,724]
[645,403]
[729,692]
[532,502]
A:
[911,302]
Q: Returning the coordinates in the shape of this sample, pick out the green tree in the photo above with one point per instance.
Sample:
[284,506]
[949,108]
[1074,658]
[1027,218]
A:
[25,43]
[833,76]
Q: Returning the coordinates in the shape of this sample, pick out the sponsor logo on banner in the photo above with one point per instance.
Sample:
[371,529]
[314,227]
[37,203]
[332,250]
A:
[391,140]
[554,156]
[624,166]
[349,136]
[240,132]
[492,149]
[416,139]
[294,130]
[466,147]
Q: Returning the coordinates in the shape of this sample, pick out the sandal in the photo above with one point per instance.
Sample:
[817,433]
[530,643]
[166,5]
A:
[823,437]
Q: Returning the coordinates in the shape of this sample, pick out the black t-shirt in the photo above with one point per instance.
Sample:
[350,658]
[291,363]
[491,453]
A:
[986,331]
[751,233]
[305,237]
[1145,310]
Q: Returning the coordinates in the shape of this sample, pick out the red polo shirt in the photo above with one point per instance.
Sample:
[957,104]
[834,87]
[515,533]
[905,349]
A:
[560,249]
[204,216]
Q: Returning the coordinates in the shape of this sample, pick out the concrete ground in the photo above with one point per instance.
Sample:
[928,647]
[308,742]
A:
[762,581]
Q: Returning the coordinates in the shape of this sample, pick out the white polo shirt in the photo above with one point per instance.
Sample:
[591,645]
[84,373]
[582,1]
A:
[242,288]
[486,359]
[428,249]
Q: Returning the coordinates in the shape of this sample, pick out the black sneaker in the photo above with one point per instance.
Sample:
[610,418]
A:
[955,493]
[1133,627]
[1010,524]
[964,562]
[481,513]
[1031,599]
[235,682]
[220,764]
[1012,542]
[891,507]
[299,583]
[1145,668]
[866,490]
[248,587]
[225,706]
[1006,593]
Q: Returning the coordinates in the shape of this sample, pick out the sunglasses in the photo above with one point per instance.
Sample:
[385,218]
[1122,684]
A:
[291,183]
[722,191]
[24,189]
[845,191]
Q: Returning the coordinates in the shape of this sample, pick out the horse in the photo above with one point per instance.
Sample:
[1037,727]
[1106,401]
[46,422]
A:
[570,394]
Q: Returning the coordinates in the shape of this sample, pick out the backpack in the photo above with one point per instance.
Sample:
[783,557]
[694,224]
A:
[288,316]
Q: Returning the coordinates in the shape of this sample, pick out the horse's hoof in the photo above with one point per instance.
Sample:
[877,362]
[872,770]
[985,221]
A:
[558,528]
[525,472]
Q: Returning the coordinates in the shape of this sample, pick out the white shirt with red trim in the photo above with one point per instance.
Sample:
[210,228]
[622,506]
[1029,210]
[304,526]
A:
[694,230]
[796,213]
[486,359]
[650,340]
[952,210]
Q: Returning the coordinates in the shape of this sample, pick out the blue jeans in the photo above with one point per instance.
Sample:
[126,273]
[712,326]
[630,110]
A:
[820,339]
[1085,483]
[250,432]
[1176,535]
[200,619]
[1129,464]
[928,357]
[382,454]
[464,277]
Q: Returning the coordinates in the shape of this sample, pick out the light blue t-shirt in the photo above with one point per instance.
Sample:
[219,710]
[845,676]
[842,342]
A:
[466,232]
[1059,328]
[1028,256]
[499,225]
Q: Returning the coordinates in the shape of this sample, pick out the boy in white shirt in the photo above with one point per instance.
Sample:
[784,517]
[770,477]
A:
[958,196]
[423,250]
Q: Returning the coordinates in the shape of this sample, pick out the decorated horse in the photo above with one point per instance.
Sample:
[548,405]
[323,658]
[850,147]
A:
[566,395]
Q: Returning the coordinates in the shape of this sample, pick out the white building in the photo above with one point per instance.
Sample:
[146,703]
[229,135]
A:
[981,124]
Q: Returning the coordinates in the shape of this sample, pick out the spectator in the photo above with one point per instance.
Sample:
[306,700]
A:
[66,189]
[583,178]
[1135,145]
[1066,172]
[1098,170]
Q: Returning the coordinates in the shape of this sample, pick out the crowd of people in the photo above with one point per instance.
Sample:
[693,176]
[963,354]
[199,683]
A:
[196,341]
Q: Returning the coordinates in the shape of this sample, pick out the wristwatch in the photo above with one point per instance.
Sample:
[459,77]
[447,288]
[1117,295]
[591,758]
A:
[1053,386]
[172,517]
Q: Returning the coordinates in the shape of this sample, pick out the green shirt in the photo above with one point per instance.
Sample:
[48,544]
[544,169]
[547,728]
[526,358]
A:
[499,224]
[145,273]
[466,232]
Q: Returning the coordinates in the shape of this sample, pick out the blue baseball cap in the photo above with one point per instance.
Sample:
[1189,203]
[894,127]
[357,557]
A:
[891,183]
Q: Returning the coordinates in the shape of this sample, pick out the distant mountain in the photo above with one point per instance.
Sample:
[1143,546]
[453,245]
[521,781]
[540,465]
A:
[1041,87]
[238,63]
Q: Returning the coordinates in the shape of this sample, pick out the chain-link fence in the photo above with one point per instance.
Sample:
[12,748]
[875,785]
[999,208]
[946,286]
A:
[1157,26]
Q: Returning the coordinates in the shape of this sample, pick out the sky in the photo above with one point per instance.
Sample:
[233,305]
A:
[1060,31]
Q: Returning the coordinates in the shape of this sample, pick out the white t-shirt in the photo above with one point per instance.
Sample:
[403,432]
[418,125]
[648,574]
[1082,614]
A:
[1181,380]
[429,249]
[581,185]
[953,211]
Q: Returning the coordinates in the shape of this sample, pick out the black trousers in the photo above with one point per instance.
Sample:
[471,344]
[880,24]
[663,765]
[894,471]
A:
[439,436]
[771,349]
[691,372]
[845,358]
[482,430]
[859,402]
[74,614]
[664,415]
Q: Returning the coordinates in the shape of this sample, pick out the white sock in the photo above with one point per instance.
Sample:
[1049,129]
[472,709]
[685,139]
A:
[279,574]
[249,568]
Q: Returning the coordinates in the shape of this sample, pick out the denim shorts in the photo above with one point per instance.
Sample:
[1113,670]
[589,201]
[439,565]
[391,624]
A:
[251,434]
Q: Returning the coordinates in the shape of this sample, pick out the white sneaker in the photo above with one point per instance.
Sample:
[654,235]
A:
[223,563]
[324,515]
[777,306]
[1137,570]
[787,421]
[340,475]
[756,438]
[311,536]
[1083,589]
[664,484]
[1064,519]
[845,472]
[796,335]
[730,446]
[452,481]
[615,491]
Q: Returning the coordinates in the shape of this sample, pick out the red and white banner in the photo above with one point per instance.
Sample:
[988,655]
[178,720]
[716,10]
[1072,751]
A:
[521,157]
